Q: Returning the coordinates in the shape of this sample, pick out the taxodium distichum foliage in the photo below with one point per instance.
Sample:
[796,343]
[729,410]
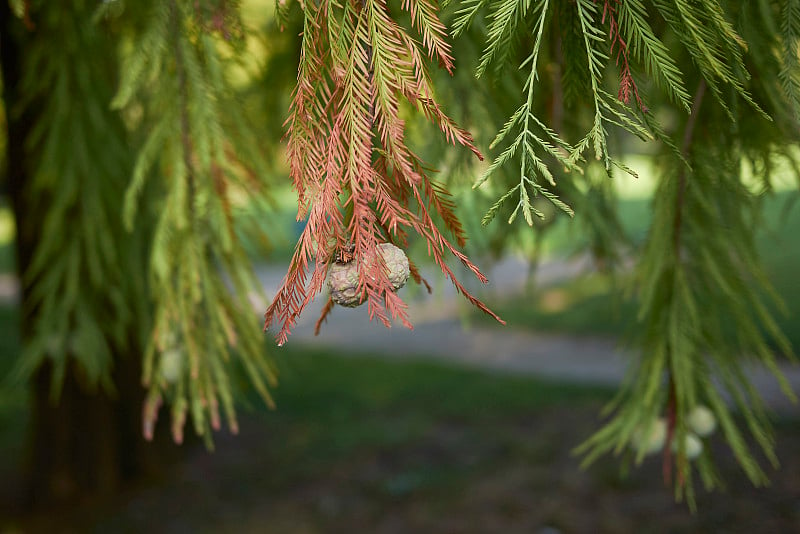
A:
[359,184]
[725,75]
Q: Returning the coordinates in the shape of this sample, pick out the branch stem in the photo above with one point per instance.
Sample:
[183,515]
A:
[680,199]
[688,135]
[183,95]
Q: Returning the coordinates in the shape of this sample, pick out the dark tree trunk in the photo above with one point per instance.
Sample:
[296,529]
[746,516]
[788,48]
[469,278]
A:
[86,442]
[89,443]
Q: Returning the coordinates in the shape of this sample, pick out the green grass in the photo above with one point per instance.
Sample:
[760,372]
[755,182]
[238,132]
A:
[426,427]
[589,305]
[780,250]
[311,378]
[593,305]
[348,402]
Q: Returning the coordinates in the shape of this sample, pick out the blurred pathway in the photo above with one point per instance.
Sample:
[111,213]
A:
[440,333]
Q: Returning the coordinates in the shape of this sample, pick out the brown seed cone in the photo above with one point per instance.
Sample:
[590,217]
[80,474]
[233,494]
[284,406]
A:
[343,277]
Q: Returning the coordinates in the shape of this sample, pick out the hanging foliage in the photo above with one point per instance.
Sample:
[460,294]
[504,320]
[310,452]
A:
[201,281]
[715,83]
[359,184]
[699,278]
[75,280]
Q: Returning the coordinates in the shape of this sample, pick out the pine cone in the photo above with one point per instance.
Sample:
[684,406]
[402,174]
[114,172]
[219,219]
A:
[343,277]
[343,284]
[396,264]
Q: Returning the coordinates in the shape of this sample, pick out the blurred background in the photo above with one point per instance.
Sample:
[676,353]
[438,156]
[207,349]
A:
[461,425]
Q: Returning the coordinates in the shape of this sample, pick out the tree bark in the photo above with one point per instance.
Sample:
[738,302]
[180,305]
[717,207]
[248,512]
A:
[90,444]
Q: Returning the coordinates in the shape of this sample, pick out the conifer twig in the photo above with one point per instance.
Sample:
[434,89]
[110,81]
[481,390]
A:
[357,178]
[688,134]
[672,408]
[180,73]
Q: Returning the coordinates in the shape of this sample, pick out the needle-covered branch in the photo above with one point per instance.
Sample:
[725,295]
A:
[200,276]
[358,181]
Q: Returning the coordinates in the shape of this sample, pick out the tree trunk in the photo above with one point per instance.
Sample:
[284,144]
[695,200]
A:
[86,442]
[90,443]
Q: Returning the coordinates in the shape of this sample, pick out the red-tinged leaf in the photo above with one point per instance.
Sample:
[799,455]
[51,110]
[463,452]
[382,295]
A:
[326,310]
[627,85]
[356,177]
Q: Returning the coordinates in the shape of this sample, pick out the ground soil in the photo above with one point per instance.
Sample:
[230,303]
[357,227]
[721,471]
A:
[516,475]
